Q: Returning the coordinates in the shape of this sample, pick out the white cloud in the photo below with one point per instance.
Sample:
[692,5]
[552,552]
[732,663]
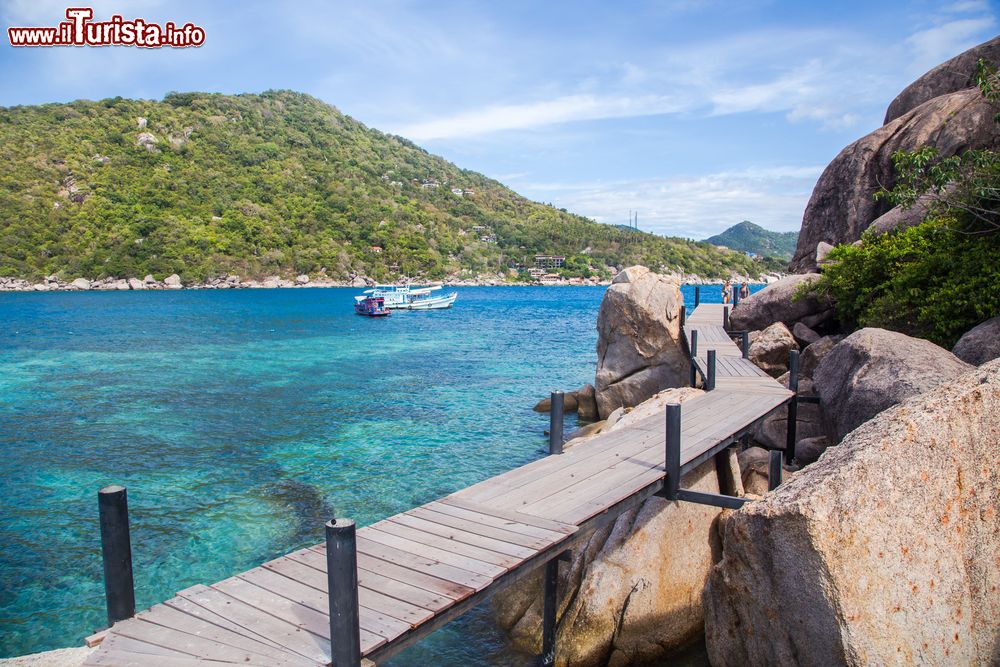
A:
[933,46]
[547,112]
[694,207]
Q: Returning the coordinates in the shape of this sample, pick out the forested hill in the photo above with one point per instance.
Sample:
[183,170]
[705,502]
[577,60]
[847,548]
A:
[748,237]
[274,184]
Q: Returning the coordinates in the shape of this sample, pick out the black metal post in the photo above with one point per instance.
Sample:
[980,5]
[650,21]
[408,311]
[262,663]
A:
[548,658]
[725,318]
[116,549]
[694,358]
[745,343]
[672,465]
[710,380]
[342,581]
[774,470]
[793,405]
[697,295]
[556,423]
[683,316]
[736,295]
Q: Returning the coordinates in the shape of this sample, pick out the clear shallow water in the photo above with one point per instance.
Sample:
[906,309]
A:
[241,421]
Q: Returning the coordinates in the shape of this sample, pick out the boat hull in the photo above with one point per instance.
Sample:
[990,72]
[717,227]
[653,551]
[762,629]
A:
[436,303]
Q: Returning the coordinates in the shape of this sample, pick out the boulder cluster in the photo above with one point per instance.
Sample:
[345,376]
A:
[55,283]
[943,108]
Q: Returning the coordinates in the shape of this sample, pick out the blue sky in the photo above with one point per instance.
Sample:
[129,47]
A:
[695,114]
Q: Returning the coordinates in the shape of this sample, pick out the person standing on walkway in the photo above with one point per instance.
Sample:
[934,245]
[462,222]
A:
[744,290]
[727,290]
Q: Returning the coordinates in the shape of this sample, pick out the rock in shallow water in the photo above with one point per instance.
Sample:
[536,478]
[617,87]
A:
[638,348]
[885,551]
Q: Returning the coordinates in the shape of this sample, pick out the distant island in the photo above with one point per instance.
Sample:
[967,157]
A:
[280,184]
[748,237]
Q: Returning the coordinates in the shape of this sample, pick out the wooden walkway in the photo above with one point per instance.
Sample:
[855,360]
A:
[421,569]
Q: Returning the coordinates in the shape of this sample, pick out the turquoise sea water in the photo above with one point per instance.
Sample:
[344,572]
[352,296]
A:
[240,421]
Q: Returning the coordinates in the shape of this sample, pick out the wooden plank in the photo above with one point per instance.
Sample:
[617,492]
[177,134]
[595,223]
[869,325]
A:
[115,658]
[436,553]
[481,493]
[524,520]
[116,651]
[118,642]
[416,578]
[302,634]
[484,524]
[290,611]
[592,508]
[618,478]
[461,535]
[167,637]
[566,467]
[207,617]
[95,639]
[178,620]
[391,527]
[382,583]
[375,621]
[429,565]
[367,597]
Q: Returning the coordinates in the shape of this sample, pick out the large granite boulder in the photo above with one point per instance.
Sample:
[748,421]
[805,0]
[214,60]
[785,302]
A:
[770,349]
[632,593]
[873,369]
[948,77]
[842,205]
[980,343]
[639,340]
[776,303]
[884,552]
[899,218]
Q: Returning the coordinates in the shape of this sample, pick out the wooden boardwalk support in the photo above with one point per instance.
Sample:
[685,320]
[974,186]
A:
[418,570]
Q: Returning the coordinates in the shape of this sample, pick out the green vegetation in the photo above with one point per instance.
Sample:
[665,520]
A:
[276,184]
[940,278]
[748,237]
[933,280]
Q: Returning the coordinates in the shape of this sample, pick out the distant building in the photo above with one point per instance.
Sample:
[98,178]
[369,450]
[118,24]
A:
[536,273]
[456,191]
[377,249]
[549,261]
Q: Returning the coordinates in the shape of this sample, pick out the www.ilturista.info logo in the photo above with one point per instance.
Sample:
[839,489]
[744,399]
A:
[79,30]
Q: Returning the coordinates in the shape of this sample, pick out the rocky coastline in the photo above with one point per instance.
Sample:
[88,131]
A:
[55,283]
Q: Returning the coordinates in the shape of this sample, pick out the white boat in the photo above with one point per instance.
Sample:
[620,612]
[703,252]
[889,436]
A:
[406,297]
